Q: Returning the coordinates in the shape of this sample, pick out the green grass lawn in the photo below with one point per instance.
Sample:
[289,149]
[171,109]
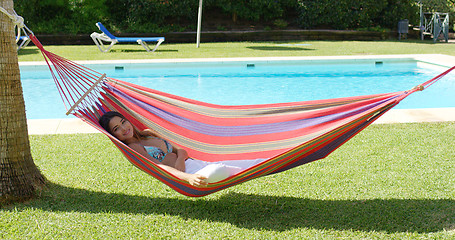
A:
[392,181]
[244,49]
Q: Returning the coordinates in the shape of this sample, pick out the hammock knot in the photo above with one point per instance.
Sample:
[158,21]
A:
[419,88]
[19,21]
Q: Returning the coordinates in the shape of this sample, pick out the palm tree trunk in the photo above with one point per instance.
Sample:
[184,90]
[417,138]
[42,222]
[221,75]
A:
[19,176]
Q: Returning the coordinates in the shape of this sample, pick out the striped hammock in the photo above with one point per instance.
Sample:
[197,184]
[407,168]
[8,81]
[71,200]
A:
[286,134]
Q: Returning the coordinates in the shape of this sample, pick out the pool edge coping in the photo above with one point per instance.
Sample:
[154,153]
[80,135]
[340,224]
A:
[437,59]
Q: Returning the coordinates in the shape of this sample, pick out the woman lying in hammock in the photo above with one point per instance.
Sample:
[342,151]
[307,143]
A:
[171,158]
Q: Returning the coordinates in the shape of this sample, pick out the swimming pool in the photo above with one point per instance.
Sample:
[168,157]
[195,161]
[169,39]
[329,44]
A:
[255,82]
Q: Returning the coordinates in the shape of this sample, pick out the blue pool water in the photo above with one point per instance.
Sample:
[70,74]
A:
[233,83]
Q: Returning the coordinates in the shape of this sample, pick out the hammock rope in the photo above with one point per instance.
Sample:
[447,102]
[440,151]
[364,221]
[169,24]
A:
[286,134]
[20,28]
[17,20]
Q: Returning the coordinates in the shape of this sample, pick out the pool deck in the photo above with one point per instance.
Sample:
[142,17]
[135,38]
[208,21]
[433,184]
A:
[73,126]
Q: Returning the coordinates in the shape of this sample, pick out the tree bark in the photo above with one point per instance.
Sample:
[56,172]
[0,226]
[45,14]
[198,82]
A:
[19,176]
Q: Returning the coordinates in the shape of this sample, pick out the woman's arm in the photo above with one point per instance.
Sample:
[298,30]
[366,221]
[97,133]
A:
[193,179]
[182,155]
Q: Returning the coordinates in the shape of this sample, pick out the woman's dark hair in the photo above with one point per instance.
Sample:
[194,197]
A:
[106,118]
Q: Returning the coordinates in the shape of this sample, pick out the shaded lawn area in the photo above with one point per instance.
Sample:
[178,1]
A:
[390,181]
[244,49]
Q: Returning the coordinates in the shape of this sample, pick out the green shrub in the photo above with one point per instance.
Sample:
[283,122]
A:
[61,16]
[145,16]
[150,15]
[353,14]
[280,23]
[253,10]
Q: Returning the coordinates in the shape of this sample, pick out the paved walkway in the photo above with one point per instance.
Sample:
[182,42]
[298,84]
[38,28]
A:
[72,125]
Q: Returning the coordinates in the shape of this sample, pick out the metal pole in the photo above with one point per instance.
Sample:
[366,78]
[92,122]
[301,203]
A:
[199,21]
[422,27]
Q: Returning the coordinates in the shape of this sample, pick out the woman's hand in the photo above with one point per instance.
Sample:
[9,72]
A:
[197,180]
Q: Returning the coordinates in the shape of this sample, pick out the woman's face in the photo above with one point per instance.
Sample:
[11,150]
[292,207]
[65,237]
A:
[121,128]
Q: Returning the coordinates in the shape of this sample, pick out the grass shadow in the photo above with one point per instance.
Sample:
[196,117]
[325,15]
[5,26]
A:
[280,48]
[166,50]
[140,50]
[427,41]
[252,211]
[28,51]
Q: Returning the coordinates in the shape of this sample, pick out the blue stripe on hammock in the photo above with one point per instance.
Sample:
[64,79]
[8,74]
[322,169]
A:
[246,130]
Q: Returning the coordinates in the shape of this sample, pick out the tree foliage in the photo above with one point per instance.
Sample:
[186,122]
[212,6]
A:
[352,14]
[145,16]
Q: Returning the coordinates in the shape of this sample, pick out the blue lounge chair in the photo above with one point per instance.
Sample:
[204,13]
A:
[106,36]
[22,41]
